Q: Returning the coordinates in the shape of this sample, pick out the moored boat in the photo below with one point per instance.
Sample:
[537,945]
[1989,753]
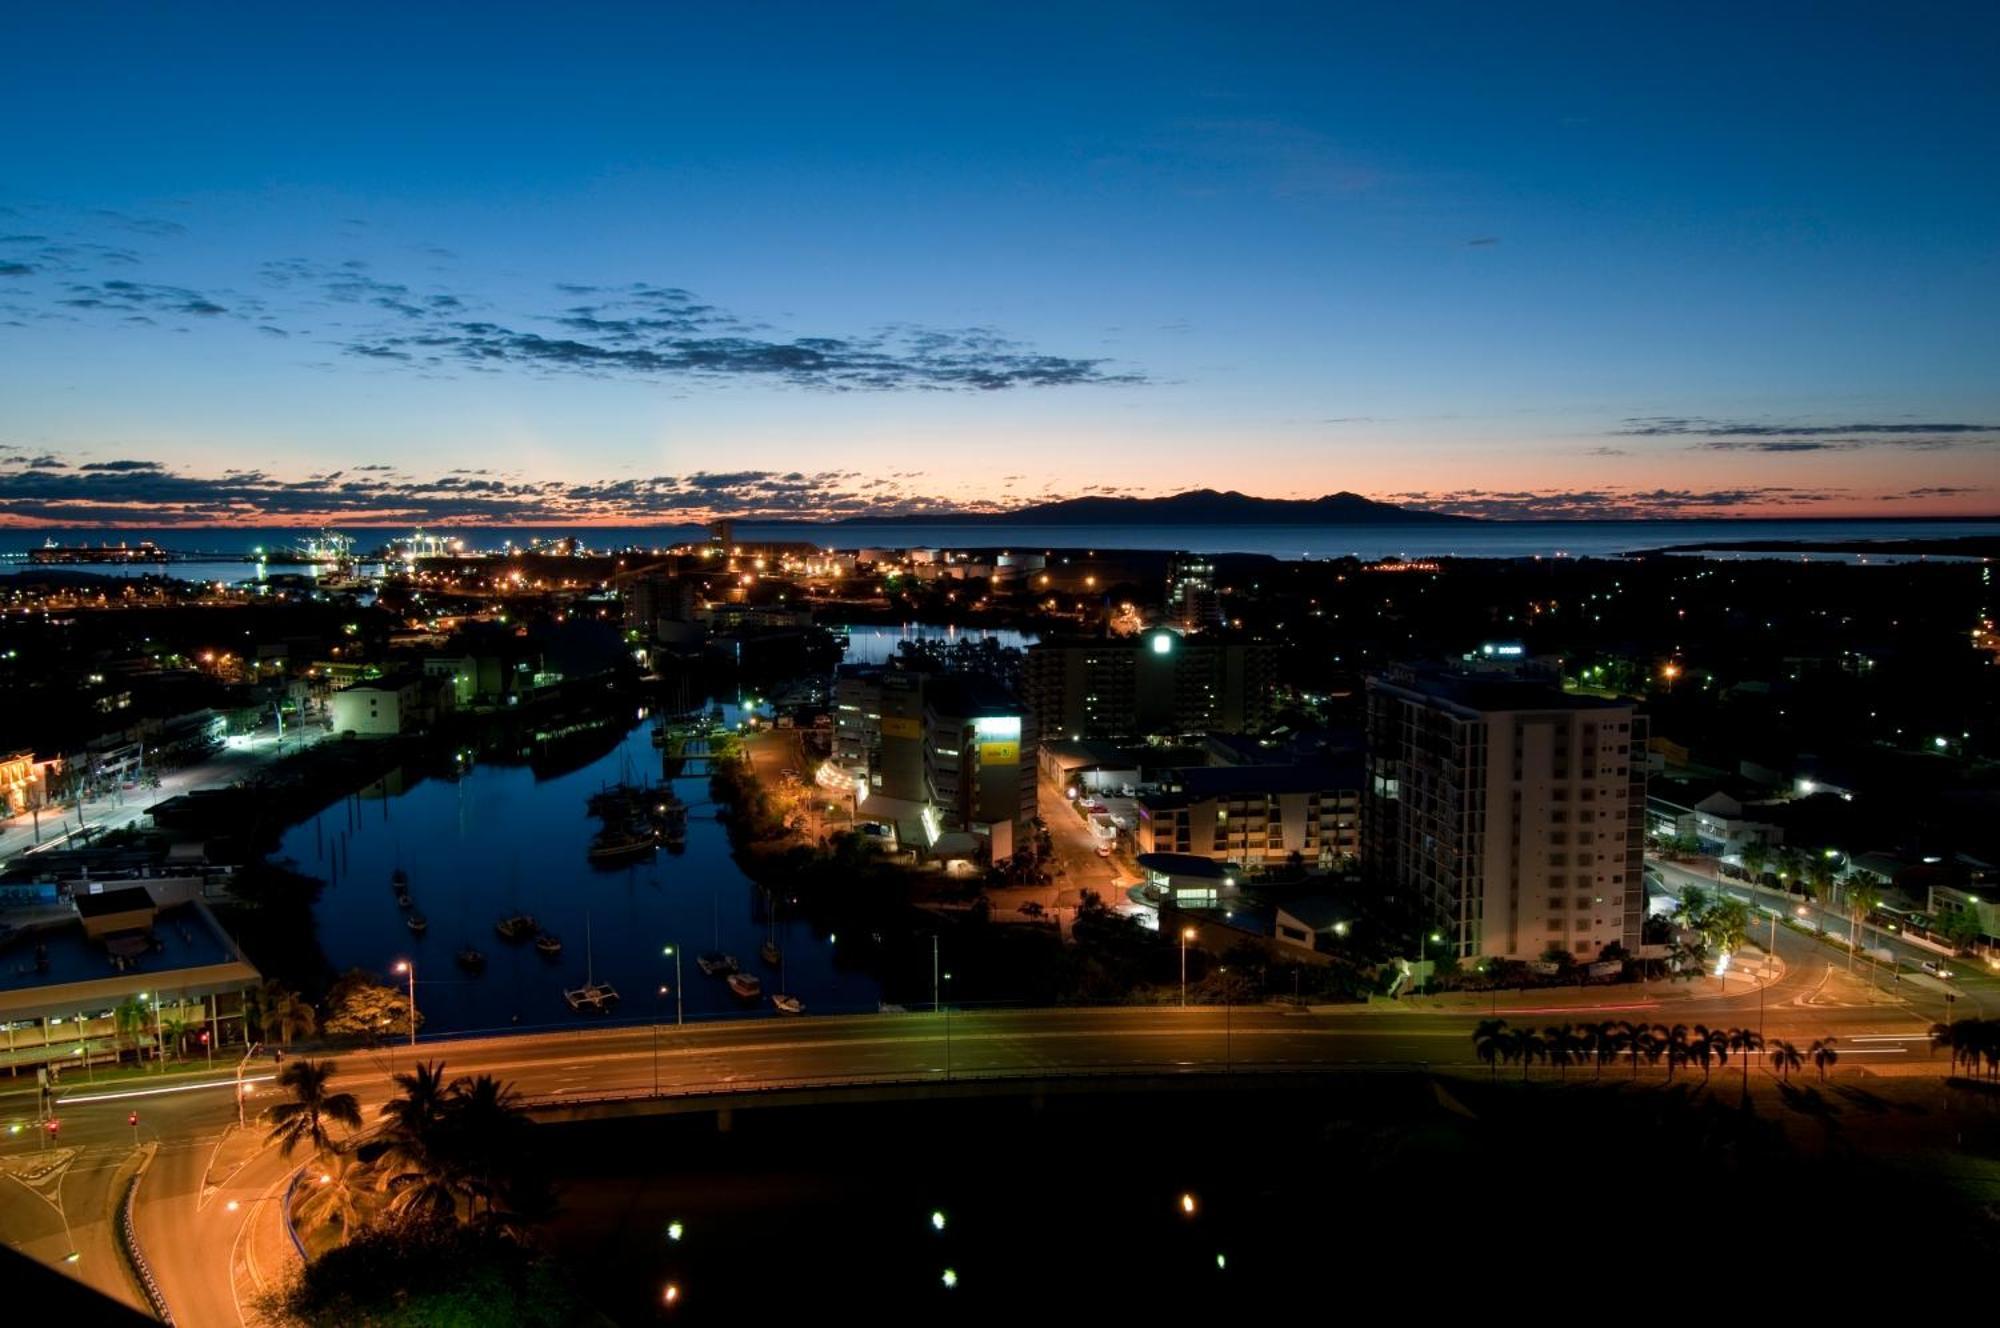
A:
[471,960]
[746,985]
[417,923]
[549,943]
[519,927]
[716,964]
[788,1004]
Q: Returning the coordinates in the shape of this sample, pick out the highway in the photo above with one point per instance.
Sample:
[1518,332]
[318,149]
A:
[199,1244]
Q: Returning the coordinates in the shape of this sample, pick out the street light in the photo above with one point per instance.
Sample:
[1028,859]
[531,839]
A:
[405,966]
[1187,934]
[1424,944]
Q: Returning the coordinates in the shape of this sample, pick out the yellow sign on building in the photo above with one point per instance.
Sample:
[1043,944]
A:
[999,753]
[896,727]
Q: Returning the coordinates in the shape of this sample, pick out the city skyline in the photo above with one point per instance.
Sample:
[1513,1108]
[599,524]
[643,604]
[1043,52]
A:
[641,267]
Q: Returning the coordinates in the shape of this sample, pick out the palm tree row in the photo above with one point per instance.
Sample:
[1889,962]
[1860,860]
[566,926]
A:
[1679,1045]
[447,1151]
[1973,1042]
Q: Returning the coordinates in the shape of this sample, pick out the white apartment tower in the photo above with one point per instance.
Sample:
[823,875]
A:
[1509,812]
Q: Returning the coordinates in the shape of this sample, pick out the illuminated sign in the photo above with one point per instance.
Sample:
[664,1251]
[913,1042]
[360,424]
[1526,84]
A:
[894,727]
[990,727]
[1163,644]
[1506,651]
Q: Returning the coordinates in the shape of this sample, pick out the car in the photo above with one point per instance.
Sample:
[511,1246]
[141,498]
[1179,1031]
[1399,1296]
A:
[1937,970]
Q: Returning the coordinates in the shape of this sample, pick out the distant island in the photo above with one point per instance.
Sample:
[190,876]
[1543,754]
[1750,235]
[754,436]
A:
[1197,507]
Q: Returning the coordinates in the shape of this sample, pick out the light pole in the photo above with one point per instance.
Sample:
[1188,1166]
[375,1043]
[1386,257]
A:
[248,1052]
[935,1006]
[1187,934]
[1424,943]
[405,966]
[947,1035]
[679,1007]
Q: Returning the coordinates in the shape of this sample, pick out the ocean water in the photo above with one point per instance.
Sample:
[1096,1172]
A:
[229,549]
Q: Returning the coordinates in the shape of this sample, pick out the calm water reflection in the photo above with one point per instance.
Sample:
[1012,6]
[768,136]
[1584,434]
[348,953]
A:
[499,841]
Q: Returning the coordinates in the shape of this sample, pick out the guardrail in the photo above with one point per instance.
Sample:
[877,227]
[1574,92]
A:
[285,1214]
[1119,1070]
[128,1242]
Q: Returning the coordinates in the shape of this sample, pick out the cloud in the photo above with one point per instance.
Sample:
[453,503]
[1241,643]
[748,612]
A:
[125,467]
[155,226]
[636,330]
[1737,436]
[9,268]
[1608,504]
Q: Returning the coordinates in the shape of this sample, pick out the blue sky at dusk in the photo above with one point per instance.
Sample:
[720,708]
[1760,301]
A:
[604,263]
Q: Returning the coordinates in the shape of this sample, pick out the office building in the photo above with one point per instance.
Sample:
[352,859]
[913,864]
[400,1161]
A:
[1509,812]
[1154,682]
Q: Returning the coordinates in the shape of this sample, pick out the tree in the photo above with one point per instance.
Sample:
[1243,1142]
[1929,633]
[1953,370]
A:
[1820,877]
[1489,1042]
[1960,928]
[129,1021]
[1785,1058]
[1559,1046]
[1527,1044]
[1862,899]
[1823,1056]
[360,1006]
[337,1196]
[1756,857]
[1708,1044]
[1674,1042]
[1746,1042]
[1637,1040]
[287,1013]
[173,1032]
[303,1118]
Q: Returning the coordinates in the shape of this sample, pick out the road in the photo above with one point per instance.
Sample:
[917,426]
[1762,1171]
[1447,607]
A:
[123,807]
[1973,990]
[197,1240]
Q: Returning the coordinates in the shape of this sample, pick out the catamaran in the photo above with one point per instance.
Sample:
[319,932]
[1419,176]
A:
[593,997]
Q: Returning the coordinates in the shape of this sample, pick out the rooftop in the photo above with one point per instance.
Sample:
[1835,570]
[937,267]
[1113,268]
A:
[181,939]
[1490,692]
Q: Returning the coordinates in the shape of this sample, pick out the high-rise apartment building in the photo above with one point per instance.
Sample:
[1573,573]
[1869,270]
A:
[1192,604]
[1157,681]
[1510,812]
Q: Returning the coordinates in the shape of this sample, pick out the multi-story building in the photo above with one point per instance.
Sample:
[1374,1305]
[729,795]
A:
[949,745]
[1511,813]
[1158,681]
[1192,604]
[1257,817]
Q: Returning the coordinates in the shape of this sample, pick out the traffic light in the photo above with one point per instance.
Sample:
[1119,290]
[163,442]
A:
[55,1127]
[133,1120]
[204,1037]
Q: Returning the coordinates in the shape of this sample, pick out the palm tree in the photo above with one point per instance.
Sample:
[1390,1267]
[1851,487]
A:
[338,1195]
[485,1128]
[1823,1056]
[1785,1058]
[1637,1040]
[1820,876]
[1674,1042]
[419,1169]
[1528,1045]
[173,1032]
[288,1013]
[1604,1044]
[1746,1042]
[303,1119]
[1709,1044]
[1489,1042]
[1560,1047]
[129,1019]
[1862,899]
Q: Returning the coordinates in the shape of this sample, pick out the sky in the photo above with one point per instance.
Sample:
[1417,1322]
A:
[601,264]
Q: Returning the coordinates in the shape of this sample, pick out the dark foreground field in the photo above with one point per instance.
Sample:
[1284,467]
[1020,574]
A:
[1358,1191]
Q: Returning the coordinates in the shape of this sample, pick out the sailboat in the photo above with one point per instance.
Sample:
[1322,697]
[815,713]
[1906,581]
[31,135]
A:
[786,1003]
[714,963]
[593,997]
[768,951]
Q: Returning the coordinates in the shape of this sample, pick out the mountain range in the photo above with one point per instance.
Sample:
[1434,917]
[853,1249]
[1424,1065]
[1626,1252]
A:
[1197,507]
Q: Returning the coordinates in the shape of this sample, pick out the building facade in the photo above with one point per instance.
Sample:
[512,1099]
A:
[1511,813]
[1158,681]
[1257,818]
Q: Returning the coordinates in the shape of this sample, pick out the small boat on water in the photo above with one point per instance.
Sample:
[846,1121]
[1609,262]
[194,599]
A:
[593,997]
[549,943]
[788,1004]
[471,960]
[417,923]
[623,844]
[768,952]
[520,927]
[716,964]
[404,901]
[399,878]
[746,985]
